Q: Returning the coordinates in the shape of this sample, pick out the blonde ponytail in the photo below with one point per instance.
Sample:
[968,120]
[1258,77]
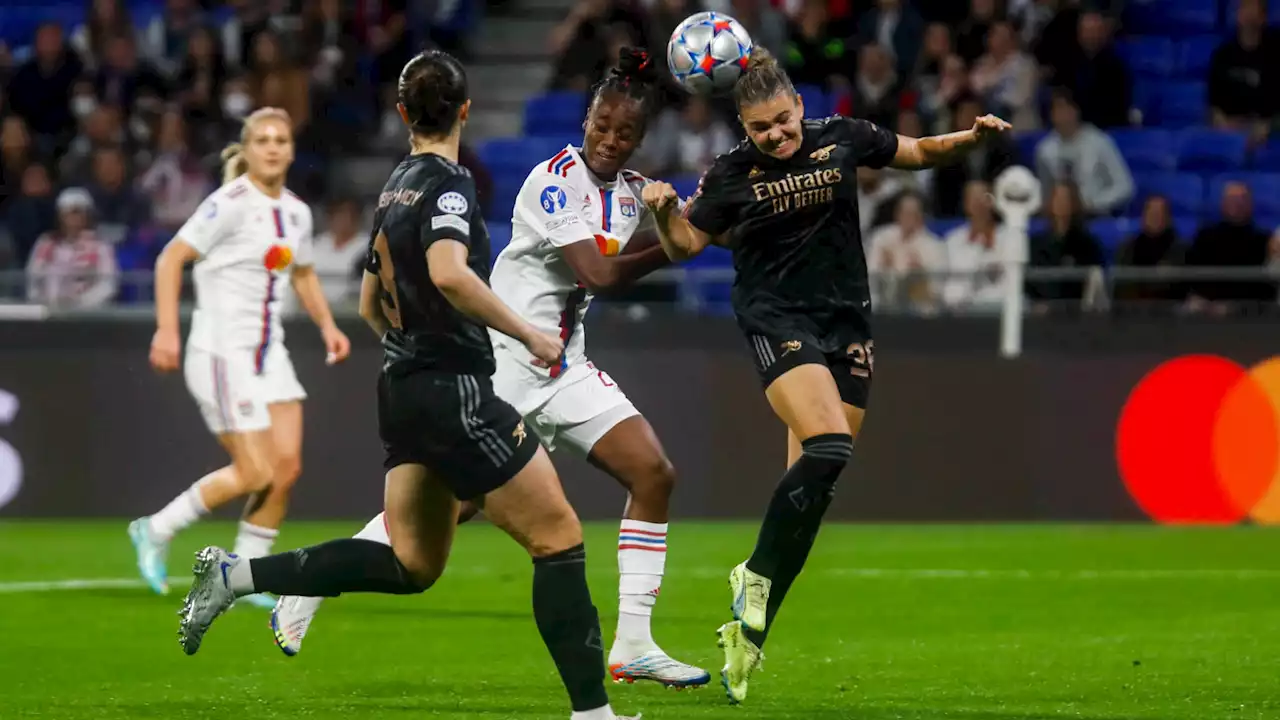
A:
[234,163]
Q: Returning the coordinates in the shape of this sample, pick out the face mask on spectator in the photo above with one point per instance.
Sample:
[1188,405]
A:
[237,105]
[83,105]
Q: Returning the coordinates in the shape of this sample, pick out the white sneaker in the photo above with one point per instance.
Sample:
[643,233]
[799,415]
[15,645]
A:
[209,597]
[659,667]
[290,621]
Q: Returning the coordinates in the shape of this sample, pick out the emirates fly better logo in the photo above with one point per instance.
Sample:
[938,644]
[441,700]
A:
[1199,441]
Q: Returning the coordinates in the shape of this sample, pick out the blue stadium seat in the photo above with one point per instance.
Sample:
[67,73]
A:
[1186,227]
[1211,151]
[506,186]
[816,102]
[1146,100]
[1194,54]
[712,257]
[1111,232]
[1171,17]
[942,226]
[1267,157]
[685,185]
[1229,14]
[1147,56]
[18,22]
[1265,188]
[1270,222]
[1184,191]
[1183,104]
[517,155]
[499,237]
[555,113]
[1026,143]
[1146,149]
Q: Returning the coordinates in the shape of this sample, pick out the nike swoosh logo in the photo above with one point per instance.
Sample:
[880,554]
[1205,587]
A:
[225,580]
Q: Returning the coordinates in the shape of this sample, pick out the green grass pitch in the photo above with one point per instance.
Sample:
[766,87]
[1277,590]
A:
[945,621]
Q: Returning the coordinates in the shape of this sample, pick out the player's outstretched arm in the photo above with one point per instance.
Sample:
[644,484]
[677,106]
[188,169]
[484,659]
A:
[597,272]
[680,240]
[927,152]
[447,263]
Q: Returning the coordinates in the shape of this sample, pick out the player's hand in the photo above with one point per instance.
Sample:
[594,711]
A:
[546,349]
[337,346]
[989,126]
[166,348]
[660,197]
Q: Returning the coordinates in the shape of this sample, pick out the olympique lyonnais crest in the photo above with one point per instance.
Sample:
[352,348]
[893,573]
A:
[627,206]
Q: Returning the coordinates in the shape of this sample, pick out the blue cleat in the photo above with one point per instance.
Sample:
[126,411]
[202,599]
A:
[153,555]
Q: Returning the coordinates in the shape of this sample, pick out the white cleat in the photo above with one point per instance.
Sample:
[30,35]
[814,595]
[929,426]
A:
[210,596]
[290,621]
[741,658]
[659,667]
[750,597]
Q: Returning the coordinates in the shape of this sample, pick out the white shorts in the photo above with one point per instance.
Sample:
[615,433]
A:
[575,410]
[232,395]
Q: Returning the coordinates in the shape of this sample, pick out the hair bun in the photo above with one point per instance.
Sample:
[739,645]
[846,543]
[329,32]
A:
[635,64]
[760,59]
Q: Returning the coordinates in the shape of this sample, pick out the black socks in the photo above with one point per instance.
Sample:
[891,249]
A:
[332,568]
[570,626]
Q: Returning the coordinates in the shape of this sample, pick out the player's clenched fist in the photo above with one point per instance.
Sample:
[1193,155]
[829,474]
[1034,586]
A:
[660,197]
[166,347]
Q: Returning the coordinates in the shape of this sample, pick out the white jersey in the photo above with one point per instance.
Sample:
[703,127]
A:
[561,203]
[249,244]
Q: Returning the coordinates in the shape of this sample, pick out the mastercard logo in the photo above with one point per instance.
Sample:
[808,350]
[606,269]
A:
[277,258]
[608,246]
[1199,441]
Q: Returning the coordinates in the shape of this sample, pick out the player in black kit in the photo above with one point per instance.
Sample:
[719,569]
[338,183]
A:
[785,202]
[447,436]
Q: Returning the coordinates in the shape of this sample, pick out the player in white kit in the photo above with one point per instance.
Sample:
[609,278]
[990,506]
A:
[247,239]
[573,233]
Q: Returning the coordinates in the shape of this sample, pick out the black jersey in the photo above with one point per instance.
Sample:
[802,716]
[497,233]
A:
[426,199]
[793,228]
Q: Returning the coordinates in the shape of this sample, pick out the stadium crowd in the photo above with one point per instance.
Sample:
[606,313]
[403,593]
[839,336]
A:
[1148,124]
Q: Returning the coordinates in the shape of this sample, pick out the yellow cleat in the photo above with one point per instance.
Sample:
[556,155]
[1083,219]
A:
[750,597]
[741,658]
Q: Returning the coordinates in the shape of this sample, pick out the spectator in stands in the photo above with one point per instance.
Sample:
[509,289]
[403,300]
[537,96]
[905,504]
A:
[905,261]
[985,163]
[762,20]
[384,28]
[120,207]
[31,214]
[895,26]
[920,182]
[819,51]
[6,64]
[581,42]
[1155,246]
[1244,90]
[1097,77]
[877,190]
[16,152]
[976,254]
[953,86]
[276,82]
[1084,156]
[971,36]
[338,255]
[199,82]
[1065,243]
[238,33]
[1031,17]
[104,19]
[1006,78]
[41,89]
[685,141]
[1059,40]
[122,79]
[875,91]
[926,77]
[175,184]
[1234,241]
[328,42]
[70,266]
[102,128]
[165,42]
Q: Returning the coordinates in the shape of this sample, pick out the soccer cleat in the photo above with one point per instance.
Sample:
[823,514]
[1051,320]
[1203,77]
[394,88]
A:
[153,555]
[290,621]
[750,597]
[741,658]
[210,596]
[659,667]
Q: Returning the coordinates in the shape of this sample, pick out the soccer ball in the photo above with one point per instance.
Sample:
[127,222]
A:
[708,52]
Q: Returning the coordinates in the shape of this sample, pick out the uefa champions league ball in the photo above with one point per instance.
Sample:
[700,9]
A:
[708,52]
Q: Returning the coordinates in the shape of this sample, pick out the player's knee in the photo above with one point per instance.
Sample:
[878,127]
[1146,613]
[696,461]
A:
[558,529]
[288,469]
[657,480]
[421,572]
[827,455]
[255,474]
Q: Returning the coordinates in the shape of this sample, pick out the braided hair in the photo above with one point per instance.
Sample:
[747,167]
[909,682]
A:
[635,77]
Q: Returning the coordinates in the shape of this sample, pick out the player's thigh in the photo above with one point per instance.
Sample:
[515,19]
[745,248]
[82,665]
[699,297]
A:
[807,400]
[227,391]
[531,507]
[421,515]
[286,428]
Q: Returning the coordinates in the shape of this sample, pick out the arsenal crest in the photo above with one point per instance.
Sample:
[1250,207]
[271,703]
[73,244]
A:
[627,206]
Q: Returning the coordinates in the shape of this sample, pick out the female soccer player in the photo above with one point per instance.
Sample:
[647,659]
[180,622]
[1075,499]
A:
[447,436]
[564,249]
[248,237]
[785,202]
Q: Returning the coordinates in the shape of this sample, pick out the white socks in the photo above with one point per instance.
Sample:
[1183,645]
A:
[375,530]
[642,558]
[179,514]
[600,713]
[253,541]
[240,578]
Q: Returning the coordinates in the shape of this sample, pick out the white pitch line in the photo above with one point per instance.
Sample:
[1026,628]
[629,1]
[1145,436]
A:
[44,586]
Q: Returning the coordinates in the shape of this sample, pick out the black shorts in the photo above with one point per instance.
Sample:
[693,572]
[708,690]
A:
[851,366]
[455,426]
